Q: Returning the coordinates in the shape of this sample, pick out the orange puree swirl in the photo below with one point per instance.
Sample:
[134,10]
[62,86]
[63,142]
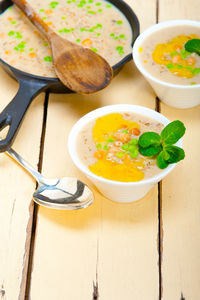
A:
[174,56]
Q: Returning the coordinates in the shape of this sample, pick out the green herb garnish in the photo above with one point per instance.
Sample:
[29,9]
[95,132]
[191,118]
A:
[193,46]
[151,144]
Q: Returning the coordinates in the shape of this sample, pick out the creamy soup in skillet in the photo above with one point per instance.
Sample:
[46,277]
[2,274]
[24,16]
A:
[108,146]
[163,55]
[95,24]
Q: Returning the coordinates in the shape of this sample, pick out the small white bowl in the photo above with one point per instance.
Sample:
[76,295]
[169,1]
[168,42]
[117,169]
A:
[176,95]
[115,190]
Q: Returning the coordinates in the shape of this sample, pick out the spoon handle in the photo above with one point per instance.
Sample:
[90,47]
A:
[38,177]
[34,17]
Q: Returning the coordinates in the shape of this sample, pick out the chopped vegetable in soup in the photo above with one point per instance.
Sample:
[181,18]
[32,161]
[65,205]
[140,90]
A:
[109,147]
[164,56]
[95,24]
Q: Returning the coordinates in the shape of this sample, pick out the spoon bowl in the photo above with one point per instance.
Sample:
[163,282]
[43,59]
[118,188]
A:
[80,69]
[65,193]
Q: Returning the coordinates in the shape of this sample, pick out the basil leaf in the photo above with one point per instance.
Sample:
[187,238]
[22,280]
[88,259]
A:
[149,139]
[161,162]
[172,132]
[175,154]
[193,46]
[150,151]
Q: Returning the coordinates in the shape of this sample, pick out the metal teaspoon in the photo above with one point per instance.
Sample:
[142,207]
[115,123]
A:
[65,193]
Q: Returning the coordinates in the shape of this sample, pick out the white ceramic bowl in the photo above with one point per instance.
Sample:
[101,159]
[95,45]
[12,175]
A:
[180,96]
[115,190]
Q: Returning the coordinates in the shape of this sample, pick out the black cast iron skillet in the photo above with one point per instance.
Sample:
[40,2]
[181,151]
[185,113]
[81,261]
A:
[31,85]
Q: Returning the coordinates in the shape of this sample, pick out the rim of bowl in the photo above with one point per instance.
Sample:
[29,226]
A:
[94,114]
[147,33]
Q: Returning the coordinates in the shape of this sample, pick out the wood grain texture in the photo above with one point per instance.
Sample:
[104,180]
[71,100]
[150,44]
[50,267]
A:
[109,250]
[16,189]
[180,191]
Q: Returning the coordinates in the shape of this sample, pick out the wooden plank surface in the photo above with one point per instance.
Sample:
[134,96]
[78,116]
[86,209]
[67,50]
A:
[143,250]
[109,250]
[16,189]
[181,190]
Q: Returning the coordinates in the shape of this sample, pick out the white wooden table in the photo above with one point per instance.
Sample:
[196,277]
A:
[146,250]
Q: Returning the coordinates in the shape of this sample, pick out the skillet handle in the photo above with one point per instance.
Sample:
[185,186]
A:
[13,113]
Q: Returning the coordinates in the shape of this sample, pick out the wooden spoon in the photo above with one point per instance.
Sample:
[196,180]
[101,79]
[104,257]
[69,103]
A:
[80,69]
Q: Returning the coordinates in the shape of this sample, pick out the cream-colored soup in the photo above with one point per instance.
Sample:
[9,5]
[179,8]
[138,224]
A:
[95,24]
[108,147]
[163,55]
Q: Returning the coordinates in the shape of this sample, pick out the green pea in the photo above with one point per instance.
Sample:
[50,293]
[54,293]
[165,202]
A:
[119,48]
[112,35]
[41,10]
[174,53]
[44,18]
[125,146]
[98,146]
[125,131]
[88,7]
[13,22]
[119,22]
[100,10]
[48,58]
[11,33]
[91,12]
[18,35]
[98,34]
[170,66]
[179,66]
[105,147]
[119,154]
[110,141]
[63,18]
[31,49]
[83,29]
[66,30]
[134,153]
[78,40]
[98,4]
[94,49]
[99,26]
[133,142]
[132,148]
[90,1]
[196,71]
[108,5]
[122,36]
[184,53]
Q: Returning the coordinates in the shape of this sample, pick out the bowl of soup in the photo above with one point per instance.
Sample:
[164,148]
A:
[103,145]
[173,72]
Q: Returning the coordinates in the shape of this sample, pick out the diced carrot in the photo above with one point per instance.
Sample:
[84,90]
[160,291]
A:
[177,47]
[134,131]
[48,12]
[86,42]
[49,23]
[8,52]
[99,154]
[73,14]
[2,34]
[32,54]
[36,32]
[10,19]
[126,159]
